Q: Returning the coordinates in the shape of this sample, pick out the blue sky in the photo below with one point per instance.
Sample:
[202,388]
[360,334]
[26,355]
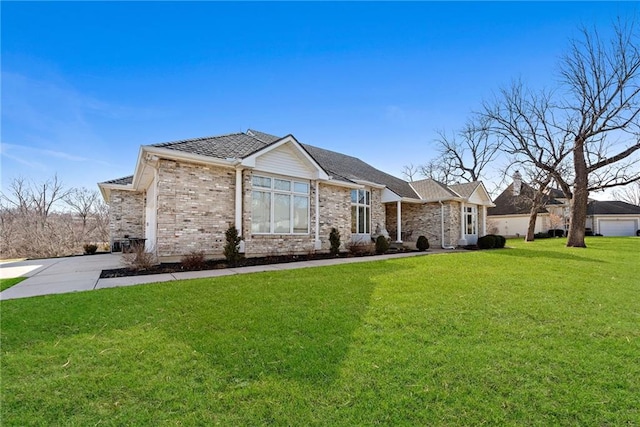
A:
[85,84]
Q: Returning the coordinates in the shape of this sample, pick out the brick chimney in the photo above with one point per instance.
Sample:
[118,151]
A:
[517,183]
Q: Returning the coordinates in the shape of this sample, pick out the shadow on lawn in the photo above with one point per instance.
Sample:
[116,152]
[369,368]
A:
[296,325]
[534,253]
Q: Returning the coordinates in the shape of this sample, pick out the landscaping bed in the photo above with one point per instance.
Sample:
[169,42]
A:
[177,267]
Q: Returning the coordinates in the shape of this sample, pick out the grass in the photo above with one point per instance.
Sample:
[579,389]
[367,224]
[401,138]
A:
[538,334]
[7,283]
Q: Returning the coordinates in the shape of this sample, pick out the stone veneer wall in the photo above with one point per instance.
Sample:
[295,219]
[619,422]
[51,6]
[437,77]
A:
[196,206]
[378,211]
[335,211]
[424,220]
[126,212]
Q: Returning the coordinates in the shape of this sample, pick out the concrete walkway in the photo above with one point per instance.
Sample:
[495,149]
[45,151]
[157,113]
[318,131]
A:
[82,273]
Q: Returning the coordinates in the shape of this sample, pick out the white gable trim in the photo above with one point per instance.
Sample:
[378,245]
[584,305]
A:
[318,172]
[480,196]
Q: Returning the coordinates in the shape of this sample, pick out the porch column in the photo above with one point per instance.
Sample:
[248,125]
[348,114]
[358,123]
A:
[399,221]
[463,220]
[238,223]
[483,227]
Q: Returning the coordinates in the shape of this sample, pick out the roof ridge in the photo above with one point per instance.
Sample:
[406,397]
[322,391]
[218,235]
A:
[202,138]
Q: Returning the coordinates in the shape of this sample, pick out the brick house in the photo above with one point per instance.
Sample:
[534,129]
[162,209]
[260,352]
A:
[283,197]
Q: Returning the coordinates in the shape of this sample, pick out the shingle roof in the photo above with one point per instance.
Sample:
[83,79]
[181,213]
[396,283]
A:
[611,207]
[508,204]
[120,181]
[350,168]
[231,146]
[240,145]
[465,189]
[430,189]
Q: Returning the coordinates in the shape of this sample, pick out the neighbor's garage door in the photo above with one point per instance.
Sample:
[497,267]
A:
[626,227]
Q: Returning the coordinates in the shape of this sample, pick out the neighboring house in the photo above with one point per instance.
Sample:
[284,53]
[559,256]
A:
[282,196]
[510,215]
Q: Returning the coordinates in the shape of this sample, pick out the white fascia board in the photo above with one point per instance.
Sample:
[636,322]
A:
[250,161]
[166,153]
[106,188]
[444,199]
[369,184]
[339,183]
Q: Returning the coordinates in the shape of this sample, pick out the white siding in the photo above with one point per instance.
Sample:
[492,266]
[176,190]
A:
[284,160]
[516,225]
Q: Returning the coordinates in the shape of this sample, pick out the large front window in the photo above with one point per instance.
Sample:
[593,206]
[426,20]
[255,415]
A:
[470,220]
[360,212]
[279,206]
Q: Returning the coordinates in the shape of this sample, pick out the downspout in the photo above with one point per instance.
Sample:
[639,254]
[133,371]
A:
[442,227]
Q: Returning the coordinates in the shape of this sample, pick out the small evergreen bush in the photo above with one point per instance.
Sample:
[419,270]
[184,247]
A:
[382,245]
[232,247]
[90,249]
[500,241]
[487,242]
[334,240]
[422,244]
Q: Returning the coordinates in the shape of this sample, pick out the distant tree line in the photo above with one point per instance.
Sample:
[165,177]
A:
[47,219]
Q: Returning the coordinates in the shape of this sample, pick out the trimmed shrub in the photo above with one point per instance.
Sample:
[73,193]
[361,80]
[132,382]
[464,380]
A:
[556,232]
[382,245]
[90,249]
[487,242]
[422,244]
[232,247]
[500,241]
[334,241]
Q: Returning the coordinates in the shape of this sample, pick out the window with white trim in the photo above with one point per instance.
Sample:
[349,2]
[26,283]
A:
[360,212]
[279,206]
[471,219]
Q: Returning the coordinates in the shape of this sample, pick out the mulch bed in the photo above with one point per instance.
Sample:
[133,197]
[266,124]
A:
[177,267]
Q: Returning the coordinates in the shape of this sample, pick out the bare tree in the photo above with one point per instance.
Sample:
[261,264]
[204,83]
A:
[529,131]
[468,153]
[463,156]
[33,224]
[602,78]
[82,201]
[588,138]
[410,171]
[629,194]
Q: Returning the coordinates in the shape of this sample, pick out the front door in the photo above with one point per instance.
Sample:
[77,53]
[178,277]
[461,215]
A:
[471,224]
[150,218]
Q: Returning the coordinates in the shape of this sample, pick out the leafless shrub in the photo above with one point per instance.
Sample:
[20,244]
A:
[359,248]
[138,258]
[193,260]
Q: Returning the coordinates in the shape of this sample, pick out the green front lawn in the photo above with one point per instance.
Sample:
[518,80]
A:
[535,335]
[7,283]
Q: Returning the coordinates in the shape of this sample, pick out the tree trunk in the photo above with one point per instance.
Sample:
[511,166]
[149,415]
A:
[531,230]
[580,199]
